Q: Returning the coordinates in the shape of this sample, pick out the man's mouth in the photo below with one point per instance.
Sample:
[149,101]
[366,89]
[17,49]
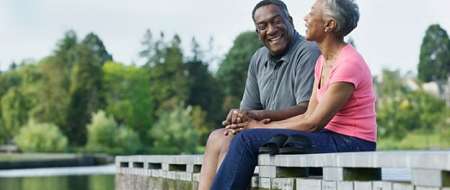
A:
[274,39]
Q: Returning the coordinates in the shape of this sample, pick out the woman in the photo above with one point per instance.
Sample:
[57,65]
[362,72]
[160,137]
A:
[341,112]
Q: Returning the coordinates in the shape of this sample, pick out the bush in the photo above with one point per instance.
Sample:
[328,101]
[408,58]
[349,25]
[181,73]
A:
[41,137]
[174,133]
[106,136]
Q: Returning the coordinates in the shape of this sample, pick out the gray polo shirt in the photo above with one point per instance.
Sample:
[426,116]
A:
[274,84]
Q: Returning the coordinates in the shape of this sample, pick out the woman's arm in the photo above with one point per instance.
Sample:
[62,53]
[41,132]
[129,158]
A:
[320,114]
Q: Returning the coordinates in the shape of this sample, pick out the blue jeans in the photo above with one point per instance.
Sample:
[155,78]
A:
[239,164]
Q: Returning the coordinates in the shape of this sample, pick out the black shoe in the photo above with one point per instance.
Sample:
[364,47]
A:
[272,146]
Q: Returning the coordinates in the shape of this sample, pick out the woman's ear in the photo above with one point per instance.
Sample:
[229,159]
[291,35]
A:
[330,25]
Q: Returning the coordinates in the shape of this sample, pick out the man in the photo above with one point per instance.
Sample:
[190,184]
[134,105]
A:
[279,81]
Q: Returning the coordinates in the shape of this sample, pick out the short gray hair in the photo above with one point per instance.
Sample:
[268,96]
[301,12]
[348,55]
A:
[345,12]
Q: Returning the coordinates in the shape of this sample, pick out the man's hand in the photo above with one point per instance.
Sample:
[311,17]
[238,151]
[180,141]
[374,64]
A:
[236,128]
[236,116]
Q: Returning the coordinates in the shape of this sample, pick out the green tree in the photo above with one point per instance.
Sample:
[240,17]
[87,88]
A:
[84,92]
[18,91]
[40,137]
[168,78]
[51,93]
[14,111]
[204,89]
[174,132]
[66,51]
[105,135]
[434,60]
[153,50]
[127,94]
[401,110]
[232,72]
[95,44]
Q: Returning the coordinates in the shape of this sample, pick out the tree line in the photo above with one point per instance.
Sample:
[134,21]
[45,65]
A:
[79,99]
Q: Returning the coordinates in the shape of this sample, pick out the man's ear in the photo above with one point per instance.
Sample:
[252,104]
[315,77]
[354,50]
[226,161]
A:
[291,20]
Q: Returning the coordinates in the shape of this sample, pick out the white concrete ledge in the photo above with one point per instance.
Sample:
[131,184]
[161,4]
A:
[429,170]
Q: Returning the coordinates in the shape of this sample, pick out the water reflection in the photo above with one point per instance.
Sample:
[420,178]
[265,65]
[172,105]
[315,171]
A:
[83,182]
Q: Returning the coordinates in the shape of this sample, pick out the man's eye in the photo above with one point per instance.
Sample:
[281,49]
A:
[261,26]
[277,21]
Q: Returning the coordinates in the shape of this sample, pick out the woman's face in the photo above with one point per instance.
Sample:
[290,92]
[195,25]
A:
[314,22]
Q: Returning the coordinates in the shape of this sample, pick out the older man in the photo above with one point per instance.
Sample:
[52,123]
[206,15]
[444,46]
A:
[279,81]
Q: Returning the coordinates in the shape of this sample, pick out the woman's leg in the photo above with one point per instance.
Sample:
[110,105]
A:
[216,148]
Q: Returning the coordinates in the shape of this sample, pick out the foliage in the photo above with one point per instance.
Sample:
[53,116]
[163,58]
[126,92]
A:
[414,141]
[401,111]
[127,95]
[40,137]
[204,89]
[14,111]
[232,72]
[434,55]
[105,135]
[51,88]
[175,133]
[84,93]
[95,45]
[171,103]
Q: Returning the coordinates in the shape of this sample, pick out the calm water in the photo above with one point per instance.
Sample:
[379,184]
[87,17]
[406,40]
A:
[75,178]
[97,182]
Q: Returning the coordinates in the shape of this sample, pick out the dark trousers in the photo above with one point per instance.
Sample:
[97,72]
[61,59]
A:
[239,164]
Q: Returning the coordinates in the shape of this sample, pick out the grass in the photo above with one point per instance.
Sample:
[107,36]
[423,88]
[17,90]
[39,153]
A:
[34,156]
[415,141]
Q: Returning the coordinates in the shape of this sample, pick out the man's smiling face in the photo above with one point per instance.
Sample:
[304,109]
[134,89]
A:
[274,28]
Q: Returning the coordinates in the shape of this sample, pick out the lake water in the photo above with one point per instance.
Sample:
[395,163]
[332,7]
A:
[69,178]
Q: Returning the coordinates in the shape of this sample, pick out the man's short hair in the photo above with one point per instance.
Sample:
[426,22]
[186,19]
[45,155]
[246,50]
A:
[280,4]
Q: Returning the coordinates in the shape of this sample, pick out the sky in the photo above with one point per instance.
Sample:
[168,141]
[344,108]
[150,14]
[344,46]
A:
[389,33]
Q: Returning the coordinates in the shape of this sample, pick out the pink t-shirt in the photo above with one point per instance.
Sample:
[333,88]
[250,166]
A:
[357,118]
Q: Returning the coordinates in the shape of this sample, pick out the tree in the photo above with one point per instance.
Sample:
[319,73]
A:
[17,95]
[52,93]
[66,50]
[14,111]
[127,95]
[168,78]
[204,89]
[84,92]
[434,60]
[232,72]
[153,50]
[401,111]
[95,44]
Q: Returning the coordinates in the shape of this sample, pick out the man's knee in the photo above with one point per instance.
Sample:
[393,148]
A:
[217,137]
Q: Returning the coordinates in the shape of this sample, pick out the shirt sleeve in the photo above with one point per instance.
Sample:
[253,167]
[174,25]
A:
[348,70]
[251,98]
[304,78]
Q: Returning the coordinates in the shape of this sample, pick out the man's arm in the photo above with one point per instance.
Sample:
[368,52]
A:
[279,114]
[334,99]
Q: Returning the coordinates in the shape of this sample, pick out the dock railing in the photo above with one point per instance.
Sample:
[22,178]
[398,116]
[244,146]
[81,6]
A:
[420,170]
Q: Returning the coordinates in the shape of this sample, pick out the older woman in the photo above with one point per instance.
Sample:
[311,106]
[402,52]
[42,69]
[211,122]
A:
[341,112]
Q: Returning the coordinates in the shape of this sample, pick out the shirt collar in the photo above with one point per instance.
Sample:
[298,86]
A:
[285,57]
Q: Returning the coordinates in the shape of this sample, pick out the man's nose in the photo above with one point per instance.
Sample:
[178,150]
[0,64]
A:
[271,29]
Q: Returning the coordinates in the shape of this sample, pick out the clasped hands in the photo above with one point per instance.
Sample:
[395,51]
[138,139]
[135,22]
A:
[238,120]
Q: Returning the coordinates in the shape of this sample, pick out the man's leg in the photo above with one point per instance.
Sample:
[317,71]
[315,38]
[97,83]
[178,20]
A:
[239,164]
[215,151]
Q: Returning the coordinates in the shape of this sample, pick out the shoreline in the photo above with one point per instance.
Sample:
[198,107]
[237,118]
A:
[41,160]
